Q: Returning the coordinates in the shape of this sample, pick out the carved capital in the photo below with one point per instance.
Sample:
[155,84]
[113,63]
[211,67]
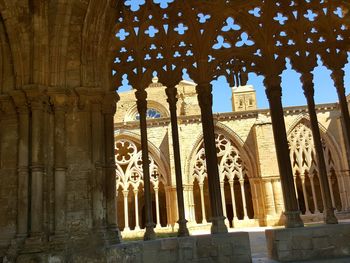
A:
[109,103]
[205,97]
[308,85]
[338,78]
[59,99]
[141,96]
[89,98]
[6,105]
[171,93]
[20,100]
[37,97]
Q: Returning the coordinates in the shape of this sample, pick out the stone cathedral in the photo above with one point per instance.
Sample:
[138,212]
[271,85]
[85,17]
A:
[83,166]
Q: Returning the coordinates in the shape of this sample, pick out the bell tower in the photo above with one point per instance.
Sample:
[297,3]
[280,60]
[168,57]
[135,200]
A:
[243,98]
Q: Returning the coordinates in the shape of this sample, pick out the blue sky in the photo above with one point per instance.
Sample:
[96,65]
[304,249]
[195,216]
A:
[292,93]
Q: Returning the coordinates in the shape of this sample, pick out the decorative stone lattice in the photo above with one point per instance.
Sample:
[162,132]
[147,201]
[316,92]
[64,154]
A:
[128,158]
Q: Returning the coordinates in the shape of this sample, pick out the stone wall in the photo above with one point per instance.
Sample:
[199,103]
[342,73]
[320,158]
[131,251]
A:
[309,243]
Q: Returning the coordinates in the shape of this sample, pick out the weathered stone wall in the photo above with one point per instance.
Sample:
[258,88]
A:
[310,243]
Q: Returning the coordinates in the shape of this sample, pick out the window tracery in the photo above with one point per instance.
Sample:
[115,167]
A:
[235,186]
[128,158]
[305,169]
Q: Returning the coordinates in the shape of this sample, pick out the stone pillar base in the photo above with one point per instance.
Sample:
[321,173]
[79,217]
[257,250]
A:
[293,219]
[309,243]
[218,225]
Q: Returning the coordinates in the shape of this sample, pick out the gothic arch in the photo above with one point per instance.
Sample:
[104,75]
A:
[228,133]
[306,171]
[235,170]
[158,156]
[325,135]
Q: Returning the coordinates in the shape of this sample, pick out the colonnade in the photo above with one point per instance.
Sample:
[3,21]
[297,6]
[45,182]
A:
[217,200]
[134,200]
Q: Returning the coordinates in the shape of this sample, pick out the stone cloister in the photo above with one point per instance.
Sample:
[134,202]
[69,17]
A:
[61,63]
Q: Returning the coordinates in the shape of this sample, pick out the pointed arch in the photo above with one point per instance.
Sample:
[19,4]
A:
[305,168]
[155,153]
[228,133]
[328,138]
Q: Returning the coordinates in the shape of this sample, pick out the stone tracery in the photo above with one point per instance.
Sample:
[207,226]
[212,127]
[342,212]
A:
[129,178]
[233,174]
[305,169]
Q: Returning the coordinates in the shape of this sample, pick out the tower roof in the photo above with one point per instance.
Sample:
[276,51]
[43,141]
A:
[245,88]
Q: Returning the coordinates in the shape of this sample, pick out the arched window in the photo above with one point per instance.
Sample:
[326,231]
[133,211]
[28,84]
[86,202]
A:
[150,114]
[129,180]
[305,169]
[235,185]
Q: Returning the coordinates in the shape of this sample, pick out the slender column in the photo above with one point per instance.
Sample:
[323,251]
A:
[244,201]
[329,216]
[278,198]
[314,193]
[109,108]
[269,204]
[338,78]
[156,192]
[222,190]
[233,201]
[172,100]
[306,200]
[23,165]
[37,163]
[274,93]
[331,190]
[204,217]
[60,164]
[97,137]
[126,210]
[141,96]
[137,222]
[205,100]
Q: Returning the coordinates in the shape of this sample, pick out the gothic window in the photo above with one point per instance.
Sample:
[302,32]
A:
[235,185]
[150,114]
[305,169]
[129,181]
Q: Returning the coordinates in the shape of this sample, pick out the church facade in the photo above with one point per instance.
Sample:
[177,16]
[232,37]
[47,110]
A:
[249,177]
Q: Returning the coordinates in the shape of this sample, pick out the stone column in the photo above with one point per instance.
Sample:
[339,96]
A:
[172,100]
[278,197]
[331,190]
[244,201]
[60,105]
[126,210]
[338,78]
[97,141]
[314,193]
[141,96]
[37,104]
[109,108]
[233,201]
[205,99]
[269,197]
[308,88]
[306,201]
[222,190]
[274,93]
[136,197]
[204,217]
[23,163]
[156,193]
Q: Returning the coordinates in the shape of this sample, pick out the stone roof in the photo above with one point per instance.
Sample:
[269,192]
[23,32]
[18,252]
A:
[245,88]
